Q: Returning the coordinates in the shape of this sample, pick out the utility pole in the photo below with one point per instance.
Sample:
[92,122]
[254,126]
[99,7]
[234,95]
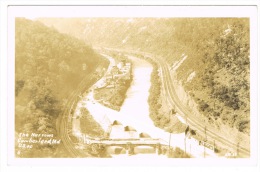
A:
[185,144]
[186,131]
[214,146]
[237,149]
[204,150]
[205,141]
[205,130]
[170,143]
[185,137]
[170,113]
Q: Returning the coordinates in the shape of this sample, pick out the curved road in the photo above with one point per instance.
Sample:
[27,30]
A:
[192,118]
[63,122]
[186,111]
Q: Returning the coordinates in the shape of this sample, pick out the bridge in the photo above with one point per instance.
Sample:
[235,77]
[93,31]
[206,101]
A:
[128,144]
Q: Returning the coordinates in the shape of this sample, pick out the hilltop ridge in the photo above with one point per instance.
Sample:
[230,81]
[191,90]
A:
[209,57]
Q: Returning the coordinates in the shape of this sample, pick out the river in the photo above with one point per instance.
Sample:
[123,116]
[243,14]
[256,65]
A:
[135,112]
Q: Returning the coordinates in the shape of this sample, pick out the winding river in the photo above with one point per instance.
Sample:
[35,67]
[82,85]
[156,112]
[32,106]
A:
[135,111]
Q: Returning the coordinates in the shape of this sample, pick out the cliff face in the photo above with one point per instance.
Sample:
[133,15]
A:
[209,57]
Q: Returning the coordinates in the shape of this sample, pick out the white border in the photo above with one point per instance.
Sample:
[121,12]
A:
[32,12]
[113,12]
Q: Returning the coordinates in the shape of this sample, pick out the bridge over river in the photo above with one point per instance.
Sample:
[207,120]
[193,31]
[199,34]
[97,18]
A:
[128,144]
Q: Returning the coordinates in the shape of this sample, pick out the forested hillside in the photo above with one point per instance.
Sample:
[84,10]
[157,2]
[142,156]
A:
[221,85]
[167,37]
[209,56]
[48,68]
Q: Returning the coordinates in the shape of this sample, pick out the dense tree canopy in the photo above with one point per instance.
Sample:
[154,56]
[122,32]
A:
[217,51]
[48,68]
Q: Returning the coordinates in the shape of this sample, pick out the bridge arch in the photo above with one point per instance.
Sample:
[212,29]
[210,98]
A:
[130,148]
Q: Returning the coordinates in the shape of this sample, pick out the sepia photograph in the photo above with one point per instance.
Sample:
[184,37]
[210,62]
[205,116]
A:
[130,87]
[112,87]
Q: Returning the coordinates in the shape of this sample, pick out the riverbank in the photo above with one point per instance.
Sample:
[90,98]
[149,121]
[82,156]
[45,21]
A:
[135,112]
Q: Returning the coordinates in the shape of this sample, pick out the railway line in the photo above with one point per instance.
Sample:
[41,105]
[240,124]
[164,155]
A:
[191,118]
[63,123]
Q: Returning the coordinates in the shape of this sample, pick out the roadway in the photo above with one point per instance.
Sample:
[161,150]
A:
[192,119]
[63,122]
[140,141]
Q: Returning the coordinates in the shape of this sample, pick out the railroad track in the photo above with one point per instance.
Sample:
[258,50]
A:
[185,111]
[62,124]
[194,122]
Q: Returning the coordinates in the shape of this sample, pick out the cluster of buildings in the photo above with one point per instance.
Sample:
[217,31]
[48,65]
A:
[121,71]
[118,131]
